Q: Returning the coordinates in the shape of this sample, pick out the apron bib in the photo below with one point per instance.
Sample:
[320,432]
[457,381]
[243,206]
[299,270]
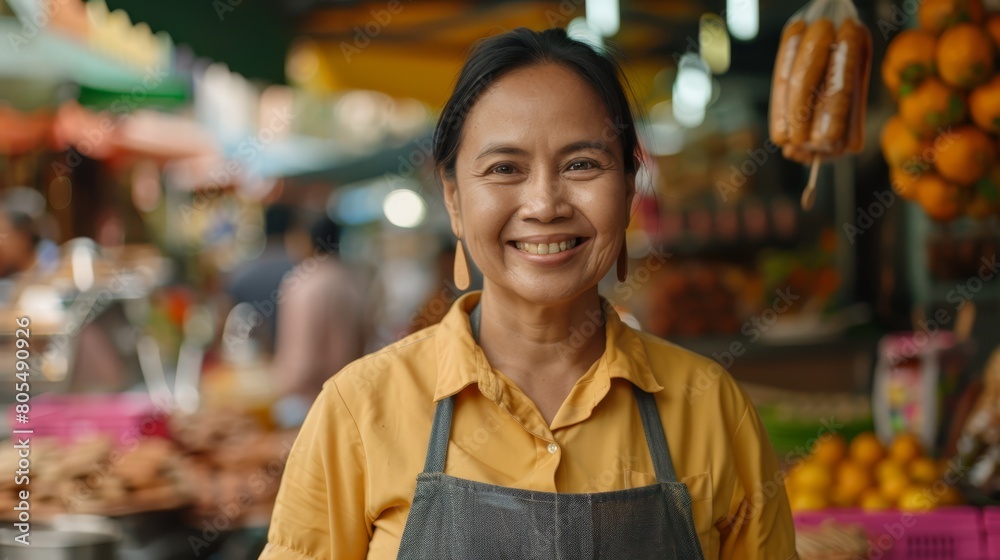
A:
[457,519]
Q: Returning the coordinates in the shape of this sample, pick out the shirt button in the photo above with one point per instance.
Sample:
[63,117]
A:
[553,448]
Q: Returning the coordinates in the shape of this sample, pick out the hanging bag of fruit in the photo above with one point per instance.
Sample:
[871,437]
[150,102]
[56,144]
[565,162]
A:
[820,86]
[941,146]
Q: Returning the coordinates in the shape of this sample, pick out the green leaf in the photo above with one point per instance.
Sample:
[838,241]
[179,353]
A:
[987,189]
[913,73]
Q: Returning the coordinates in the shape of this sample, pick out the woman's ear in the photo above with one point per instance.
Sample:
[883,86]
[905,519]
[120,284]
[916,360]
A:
[452,202]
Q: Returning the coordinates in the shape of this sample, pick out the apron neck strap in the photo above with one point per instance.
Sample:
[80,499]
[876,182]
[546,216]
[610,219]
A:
[656,440]
[437,448]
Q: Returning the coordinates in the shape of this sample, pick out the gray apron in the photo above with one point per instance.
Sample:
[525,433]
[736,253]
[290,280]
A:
[458,519]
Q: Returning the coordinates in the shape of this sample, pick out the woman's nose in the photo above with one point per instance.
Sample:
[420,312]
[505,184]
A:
[545,199]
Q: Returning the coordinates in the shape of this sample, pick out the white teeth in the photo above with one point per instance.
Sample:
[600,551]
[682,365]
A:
[545,248]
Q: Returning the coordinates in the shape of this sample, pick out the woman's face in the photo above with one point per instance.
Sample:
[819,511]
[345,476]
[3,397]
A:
[540,194]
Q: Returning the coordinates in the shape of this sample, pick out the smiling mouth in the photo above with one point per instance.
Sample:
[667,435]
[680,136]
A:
[547,248]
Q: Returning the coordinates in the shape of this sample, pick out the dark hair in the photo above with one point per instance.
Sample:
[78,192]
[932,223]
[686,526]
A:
[499,55]
[325,235]
[278,218]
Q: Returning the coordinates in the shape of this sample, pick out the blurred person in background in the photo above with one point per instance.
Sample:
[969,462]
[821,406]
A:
[321,324]
[531,422]
[256,282]
[25,253]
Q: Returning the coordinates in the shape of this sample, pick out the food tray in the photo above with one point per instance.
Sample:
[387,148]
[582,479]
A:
[953,533]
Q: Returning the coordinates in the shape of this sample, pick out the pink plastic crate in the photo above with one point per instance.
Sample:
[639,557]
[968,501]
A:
[944,534]
[991,525]
[123,416]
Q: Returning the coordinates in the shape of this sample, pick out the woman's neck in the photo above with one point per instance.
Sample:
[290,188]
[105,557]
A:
[545,349]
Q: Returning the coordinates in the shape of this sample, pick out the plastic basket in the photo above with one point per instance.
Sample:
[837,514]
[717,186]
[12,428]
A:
[68,418]
[944,534]
[991,527]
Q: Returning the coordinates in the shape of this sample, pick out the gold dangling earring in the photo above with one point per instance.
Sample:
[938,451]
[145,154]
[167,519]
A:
[461,273]
[623,263]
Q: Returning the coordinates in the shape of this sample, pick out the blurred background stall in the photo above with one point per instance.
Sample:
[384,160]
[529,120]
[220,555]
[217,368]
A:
[207,209]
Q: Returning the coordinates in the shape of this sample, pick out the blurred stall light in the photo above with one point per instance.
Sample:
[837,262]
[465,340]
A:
[404,208]
[365,115]
[82,260]
[302,63]
[580,29]
[603,16]
[688,116]
[693,86]
[743,18]
[407,117]
[713,42]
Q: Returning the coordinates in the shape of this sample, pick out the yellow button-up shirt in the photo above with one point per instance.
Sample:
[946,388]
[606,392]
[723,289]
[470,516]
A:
[347,487]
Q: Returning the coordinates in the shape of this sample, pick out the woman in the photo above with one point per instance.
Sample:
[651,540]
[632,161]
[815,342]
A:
[531,423]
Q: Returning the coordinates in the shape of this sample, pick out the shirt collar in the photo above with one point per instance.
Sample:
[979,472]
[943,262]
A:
[461,362]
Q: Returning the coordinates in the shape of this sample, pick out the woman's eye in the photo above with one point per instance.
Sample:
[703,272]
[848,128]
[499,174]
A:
[581,165]
[503,169]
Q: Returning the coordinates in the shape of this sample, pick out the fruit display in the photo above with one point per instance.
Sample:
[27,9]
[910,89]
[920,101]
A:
[863,473]
[820,85]
[941,147]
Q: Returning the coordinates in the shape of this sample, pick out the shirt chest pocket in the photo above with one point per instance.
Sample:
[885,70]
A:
[700,488]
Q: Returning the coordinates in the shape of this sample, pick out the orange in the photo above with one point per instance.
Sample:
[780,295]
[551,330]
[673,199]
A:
[872,500]
[909,59]
[808,501]
[965,56]
[985,200]
[931,107]
[964,155]
[984,105]
[937,15]
[924,471]
[866,449]
[888,468]
[892,487]
[852,481]
[941,200]
[812,476]
[901,147]
[993,28]
[903,182]
[905,448]
[917,499]
[829,450]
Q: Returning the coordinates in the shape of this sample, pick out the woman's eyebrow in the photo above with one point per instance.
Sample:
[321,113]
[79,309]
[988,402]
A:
[507,149]
[586,145]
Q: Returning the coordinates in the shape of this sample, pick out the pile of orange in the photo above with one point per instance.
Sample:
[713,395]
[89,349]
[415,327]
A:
[942,146]
[865,474]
